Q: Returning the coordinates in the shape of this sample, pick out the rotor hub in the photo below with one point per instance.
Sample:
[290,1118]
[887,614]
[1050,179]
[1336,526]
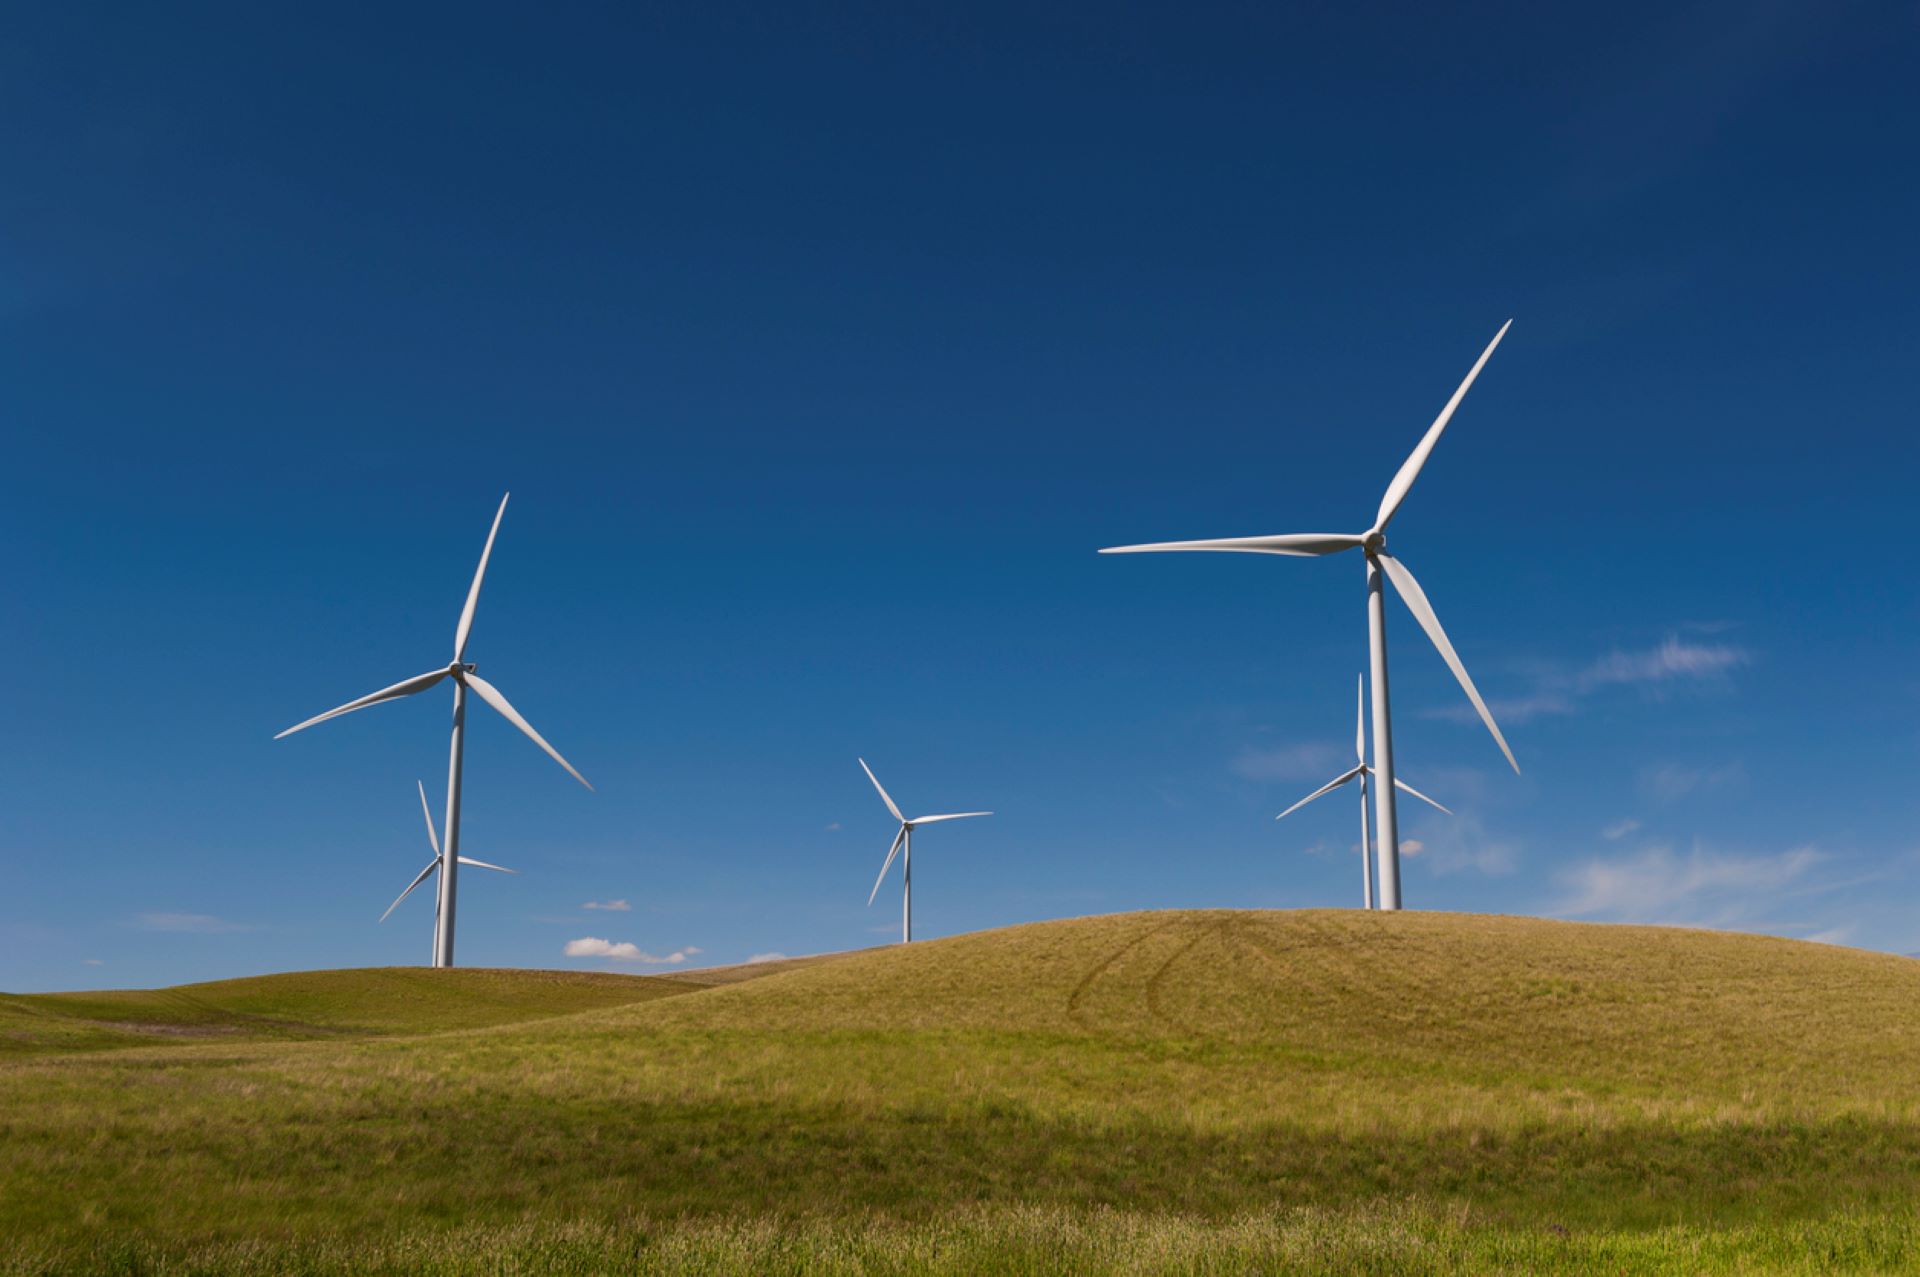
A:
[1376,541]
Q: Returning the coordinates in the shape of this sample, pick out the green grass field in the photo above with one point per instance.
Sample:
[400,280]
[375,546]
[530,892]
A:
[1168,1092]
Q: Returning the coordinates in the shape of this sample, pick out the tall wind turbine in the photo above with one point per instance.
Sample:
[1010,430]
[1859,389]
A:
[464,679]
[434,842]
[1373,545]
[903,841]
[1361,772]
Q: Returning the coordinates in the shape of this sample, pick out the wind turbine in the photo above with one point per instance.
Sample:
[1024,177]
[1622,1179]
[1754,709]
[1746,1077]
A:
[1361,772]
[464,679]
[904,841]
[434,841]
[1373,545]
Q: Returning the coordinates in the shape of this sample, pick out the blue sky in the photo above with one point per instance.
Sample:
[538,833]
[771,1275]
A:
[820,351]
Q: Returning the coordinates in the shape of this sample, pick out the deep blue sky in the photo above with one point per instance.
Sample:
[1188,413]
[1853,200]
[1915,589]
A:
[821,348]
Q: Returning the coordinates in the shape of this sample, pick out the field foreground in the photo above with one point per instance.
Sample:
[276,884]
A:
[1168,1092]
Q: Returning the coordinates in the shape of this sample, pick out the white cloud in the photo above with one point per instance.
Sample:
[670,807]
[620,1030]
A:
[1670,782]
[1412,846]
[1702,888]
[1832,935]
[609,906]
[196,923]
[1461,844]
[1559,692]
[766,957]
[595,947]
[1620,829]
[92,962]
[1674,658]
[833,827]
[1309,760]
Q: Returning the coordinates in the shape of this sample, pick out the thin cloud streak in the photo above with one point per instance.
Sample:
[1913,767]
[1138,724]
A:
[1702,888]
[202,924]
[1673,661]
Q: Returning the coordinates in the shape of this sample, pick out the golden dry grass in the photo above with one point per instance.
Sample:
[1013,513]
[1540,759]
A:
[1505,1084]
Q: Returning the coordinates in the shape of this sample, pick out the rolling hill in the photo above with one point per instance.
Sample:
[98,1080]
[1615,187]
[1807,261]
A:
[1216,1090]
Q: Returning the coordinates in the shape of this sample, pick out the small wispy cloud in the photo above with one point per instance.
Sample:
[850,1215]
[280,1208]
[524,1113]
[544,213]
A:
[1670,782]
[1461,844]
[1701,888]
[1674,660]
[609,906]
[92,962]
[1620,829]
[1412,846]
[766,957]
[195,923]
[833,827]
[1308,760]
[624,951]
[1832,935]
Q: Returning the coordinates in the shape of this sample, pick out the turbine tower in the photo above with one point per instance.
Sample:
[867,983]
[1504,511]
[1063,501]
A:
[1379,564]
[434,842]
[1361,772]
[464,680]
[903,841]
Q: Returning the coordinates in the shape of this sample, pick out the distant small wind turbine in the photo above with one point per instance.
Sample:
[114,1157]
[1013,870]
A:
[433,841]
[904,841]
[1361,772]
[464,678]
[1373,545]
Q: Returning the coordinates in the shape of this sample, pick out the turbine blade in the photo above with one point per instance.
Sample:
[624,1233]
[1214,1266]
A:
[1327,788]
[1359,724]
[1416,601]
[891,853]
[491,695]
[419,683]
[1410,468]
[958,815]
[884,796]
[481,864]
[473,592]
[428,813]
[1401,784]
[1297,544]
[431,866]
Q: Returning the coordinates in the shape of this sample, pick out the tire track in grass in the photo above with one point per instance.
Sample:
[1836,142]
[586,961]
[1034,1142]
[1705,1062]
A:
[1080,991]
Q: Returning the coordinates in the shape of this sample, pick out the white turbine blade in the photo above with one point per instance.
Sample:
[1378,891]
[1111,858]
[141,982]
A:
[428,813]
[958,815]
[1401,784]
[1410,468]
[1297,544]
[884,796]
[891,853]
[473,592]
[491,695]
[431,866]
[419,683]
[1327,788]
[1416,601]
[481,864]
[1359,725]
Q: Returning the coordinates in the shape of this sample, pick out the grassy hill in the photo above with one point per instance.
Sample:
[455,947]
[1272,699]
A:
[1213,1091]
[311,1004]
